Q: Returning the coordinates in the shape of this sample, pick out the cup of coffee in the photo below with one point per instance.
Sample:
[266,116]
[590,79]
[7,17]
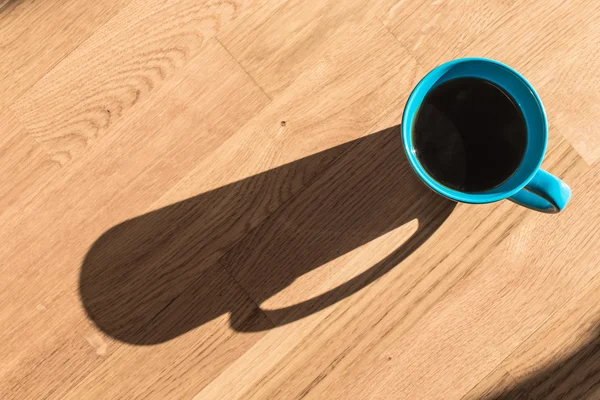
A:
[475,131]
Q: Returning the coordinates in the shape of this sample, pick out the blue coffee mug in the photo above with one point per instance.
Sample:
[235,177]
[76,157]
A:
[529,185]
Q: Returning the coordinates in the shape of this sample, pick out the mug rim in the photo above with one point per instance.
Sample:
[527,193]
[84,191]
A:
[473,198]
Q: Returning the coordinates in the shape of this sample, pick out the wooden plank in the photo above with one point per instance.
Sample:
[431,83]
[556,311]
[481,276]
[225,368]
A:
[30,43]
[283,39]
[436,31]
[118,67]
[47,337]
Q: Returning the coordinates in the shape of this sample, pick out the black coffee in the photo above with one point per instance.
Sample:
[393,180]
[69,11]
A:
[469,135]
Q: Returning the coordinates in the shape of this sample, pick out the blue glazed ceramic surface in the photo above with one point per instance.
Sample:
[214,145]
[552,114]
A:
[529,186]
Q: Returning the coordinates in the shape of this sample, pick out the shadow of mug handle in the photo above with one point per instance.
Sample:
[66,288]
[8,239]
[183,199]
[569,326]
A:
[545,193]
[287,315]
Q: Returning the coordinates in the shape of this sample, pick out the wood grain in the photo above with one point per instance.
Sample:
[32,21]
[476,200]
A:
[210,200]
[36,35]
[73,105]
[22,161]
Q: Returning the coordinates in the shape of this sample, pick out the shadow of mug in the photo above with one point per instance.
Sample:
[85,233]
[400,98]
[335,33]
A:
[162,274]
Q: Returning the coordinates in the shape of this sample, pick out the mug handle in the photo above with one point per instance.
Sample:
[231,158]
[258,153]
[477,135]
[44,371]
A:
[545,193]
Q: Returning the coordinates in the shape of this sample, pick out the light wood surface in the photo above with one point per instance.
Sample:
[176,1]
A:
[208,199]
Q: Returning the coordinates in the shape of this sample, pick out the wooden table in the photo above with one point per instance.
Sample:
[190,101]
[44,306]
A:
[209,198]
